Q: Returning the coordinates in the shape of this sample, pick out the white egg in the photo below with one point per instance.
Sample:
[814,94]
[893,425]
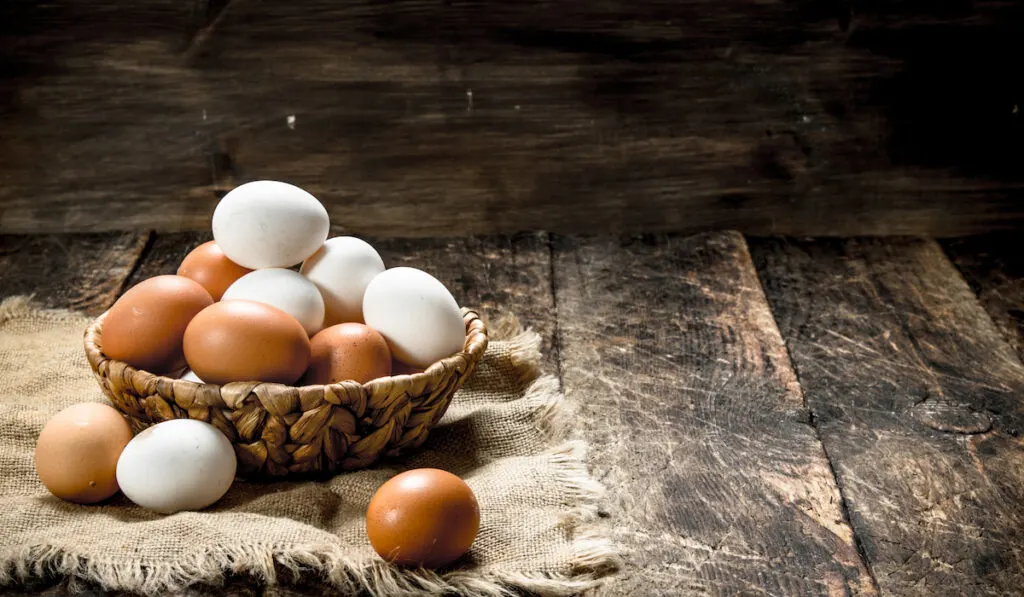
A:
[190,376]
[342,269]
[416,314]
[285,289]
[177,465]
[269,224]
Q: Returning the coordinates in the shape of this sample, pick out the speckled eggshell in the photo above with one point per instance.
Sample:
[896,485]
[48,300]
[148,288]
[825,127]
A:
[77,451]
[268,223]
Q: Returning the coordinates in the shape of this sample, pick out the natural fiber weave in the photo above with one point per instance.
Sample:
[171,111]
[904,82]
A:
[544,526]
[277,429]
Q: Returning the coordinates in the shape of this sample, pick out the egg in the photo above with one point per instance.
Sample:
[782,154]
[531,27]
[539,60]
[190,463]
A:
[145,327]
[267,223]
[209,266]
[342,269]
[285,289]
[423,517]
[191,376]
[240,340]
[77,451]
[347,351]
[416,315]
[177,465]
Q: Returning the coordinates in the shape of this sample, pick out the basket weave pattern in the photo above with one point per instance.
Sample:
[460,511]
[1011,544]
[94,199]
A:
[276,429]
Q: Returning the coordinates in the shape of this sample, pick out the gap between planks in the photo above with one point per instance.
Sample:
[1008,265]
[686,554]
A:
[888,338]
[716,483]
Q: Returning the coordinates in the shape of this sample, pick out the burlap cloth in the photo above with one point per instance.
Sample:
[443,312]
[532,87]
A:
[504,434]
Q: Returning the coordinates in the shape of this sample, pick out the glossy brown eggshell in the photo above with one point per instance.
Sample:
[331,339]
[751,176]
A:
[347,351]
[211,268]
[146,326]
[240,340]
[423,517]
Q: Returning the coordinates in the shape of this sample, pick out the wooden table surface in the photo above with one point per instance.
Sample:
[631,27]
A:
[771,416]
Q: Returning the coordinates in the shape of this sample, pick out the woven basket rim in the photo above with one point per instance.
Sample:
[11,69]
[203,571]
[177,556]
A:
[473,348]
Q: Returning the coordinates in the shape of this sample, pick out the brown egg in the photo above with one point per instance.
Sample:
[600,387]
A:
[241,340]
[146,325]
[347,351]
[208,265]
[423,517]
[77,451]
[400,368]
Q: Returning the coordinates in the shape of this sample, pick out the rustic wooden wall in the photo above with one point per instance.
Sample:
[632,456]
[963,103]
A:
[440,117]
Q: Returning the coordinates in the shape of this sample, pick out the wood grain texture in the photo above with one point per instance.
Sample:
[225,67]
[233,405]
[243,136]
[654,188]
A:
[164,254]
[718,484]
[918,401]
[82,272]
[430,118]
[993,265]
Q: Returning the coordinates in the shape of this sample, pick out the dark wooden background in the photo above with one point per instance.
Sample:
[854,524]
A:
[450,117]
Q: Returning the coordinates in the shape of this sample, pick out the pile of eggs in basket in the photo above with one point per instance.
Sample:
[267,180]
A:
[270,299]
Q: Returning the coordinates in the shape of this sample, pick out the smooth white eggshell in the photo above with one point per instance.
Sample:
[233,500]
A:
[285,289]
[342,269]
[177,465]
[191,376]
[269,224]
[416,314]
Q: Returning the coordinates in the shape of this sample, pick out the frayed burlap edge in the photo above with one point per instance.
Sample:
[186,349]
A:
[594,556]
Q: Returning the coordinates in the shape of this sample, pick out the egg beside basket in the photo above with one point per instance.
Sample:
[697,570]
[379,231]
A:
[278,430]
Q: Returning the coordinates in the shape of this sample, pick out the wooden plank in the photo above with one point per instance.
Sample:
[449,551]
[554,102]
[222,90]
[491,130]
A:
[165,253]
[994,267]
[918,401]
[82,272]
[102,112]
[573,116]
[718,484]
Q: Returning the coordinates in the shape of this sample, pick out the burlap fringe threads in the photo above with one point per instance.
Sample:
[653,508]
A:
[594,555]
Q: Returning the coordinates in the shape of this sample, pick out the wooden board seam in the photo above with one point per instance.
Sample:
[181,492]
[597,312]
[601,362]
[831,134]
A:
[127,282]
[556,349]
[812,422]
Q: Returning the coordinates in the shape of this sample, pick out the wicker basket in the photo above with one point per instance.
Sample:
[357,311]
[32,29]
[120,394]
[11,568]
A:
[279,430]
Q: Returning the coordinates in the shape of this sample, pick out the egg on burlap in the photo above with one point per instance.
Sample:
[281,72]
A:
[77,451]
[423,517]
[177,465]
